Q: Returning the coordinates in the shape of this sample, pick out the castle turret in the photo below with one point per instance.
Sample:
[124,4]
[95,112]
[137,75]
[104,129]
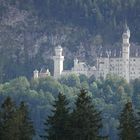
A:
[75,62]
[58,62]
[126,44]
[35,74]
[126,52]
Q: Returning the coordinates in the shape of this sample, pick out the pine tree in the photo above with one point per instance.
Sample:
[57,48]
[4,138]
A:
[128,129]
[6,120]
[25,124]
[56,126]
[86,120]
[14,122]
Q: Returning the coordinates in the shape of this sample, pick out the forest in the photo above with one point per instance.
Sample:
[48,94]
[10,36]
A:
[39,98]
[30,29]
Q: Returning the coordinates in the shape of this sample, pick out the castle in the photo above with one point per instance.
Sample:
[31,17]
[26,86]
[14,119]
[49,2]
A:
[121,64]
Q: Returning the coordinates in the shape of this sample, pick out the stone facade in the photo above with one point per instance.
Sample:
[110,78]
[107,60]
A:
[122,65]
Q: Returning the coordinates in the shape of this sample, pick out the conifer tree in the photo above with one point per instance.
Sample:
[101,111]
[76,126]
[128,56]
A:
[25,124]
[128,129]
[14,122]
[7,126]
[56,125]
[86,120]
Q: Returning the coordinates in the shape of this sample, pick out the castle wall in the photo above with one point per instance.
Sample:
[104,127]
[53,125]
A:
[116,66]
[134,67]
[102,67]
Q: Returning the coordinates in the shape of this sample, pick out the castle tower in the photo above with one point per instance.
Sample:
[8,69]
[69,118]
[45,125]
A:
[35,74]
[58,62]
[75,62]
[126,52]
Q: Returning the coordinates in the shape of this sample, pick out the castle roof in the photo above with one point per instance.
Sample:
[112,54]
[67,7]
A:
[43,70]
[58,47]
[117,51]
[35,70]
[126,28]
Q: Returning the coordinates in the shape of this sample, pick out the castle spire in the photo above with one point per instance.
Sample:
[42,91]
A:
[126,29]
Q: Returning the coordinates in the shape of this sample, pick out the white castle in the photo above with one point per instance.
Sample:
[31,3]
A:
[122,65]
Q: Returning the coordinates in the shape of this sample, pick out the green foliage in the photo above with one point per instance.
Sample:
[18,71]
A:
[7,120]
[108,96]
[83,78]
[48,84]
[85,85]
[57,124]
[136,92]
[129,125]
[15,124]
[25,124]
[86,120]
[71,80]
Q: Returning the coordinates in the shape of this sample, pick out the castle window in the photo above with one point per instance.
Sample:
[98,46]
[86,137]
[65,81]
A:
[133,59]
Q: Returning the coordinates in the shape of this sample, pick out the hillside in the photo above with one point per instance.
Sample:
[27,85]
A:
[29,30]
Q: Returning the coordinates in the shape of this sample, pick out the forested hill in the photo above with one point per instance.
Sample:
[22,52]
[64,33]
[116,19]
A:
[29,30]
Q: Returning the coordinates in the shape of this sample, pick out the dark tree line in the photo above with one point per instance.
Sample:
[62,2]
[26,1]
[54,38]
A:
[15,123]
[83,123]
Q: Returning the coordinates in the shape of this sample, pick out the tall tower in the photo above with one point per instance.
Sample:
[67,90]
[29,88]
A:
[75,62]
[58,62]
[125,52]
[35,74]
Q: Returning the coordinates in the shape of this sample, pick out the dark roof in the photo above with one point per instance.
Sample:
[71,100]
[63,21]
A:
[117,52]
[43,70]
